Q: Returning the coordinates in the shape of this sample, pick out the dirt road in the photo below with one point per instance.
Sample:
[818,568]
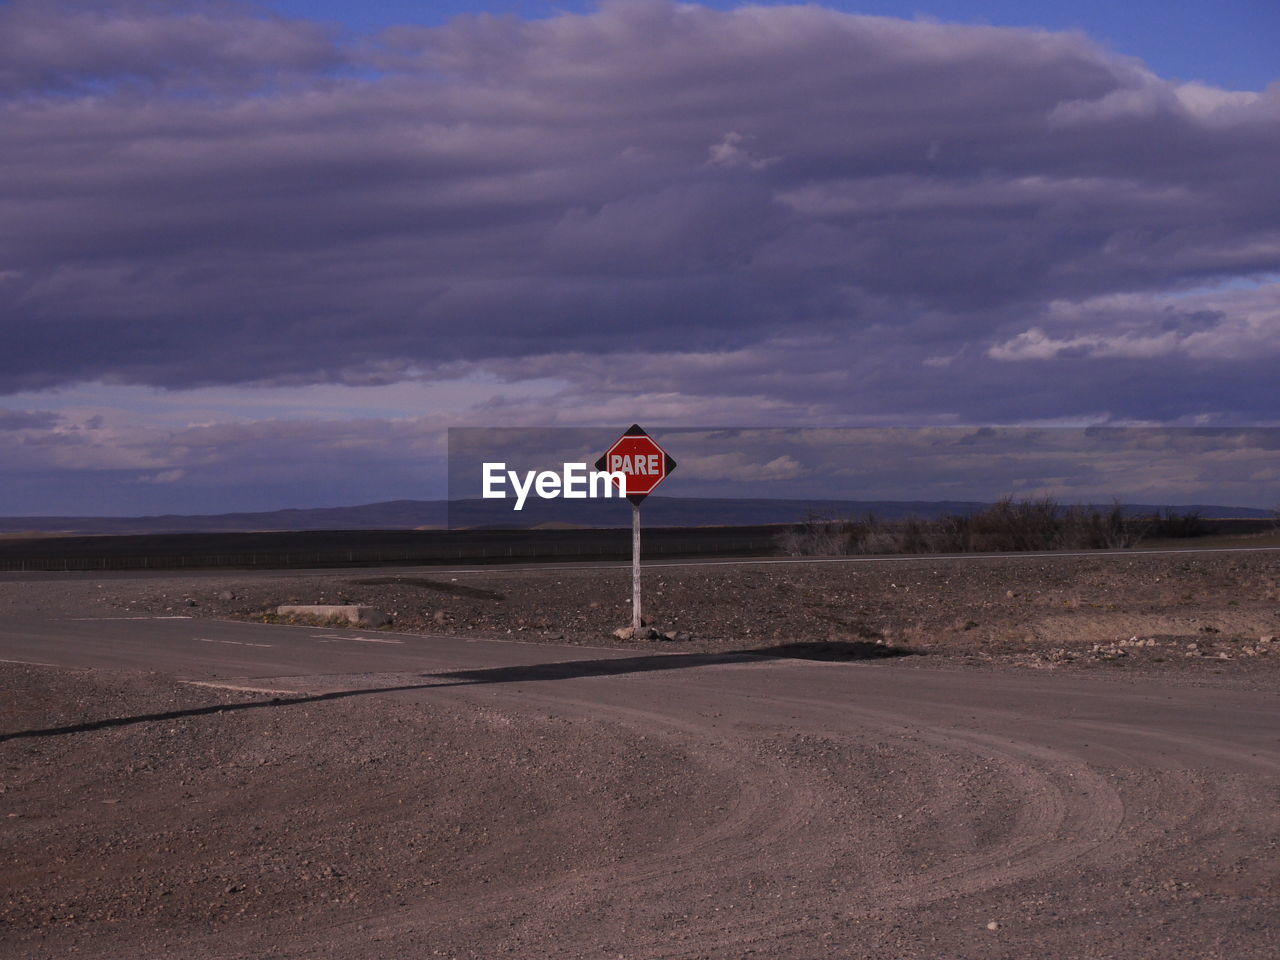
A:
[338,793]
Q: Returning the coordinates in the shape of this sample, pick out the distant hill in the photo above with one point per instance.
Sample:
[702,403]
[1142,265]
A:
[658,511]
[390,515]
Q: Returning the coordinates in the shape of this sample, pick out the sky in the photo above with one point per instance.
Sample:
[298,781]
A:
[264,256]
[1070,465]
[1230,43]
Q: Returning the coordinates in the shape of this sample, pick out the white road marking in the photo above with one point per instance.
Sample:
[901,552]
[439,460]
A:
[238,643]
[30,663]
[100,619]
[330,637]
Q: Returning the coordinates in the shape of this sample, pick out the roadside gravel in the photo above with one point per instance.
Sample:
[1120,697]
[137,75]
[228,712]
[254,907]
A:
[1175,612]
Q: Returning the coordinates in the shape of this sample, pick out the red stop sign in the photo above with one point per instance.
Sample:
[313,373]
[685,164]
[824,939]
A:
[637,455]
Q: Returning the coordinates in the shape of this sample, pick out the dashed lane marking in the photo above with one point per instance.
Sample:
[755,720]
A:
[101,619]
[330,637]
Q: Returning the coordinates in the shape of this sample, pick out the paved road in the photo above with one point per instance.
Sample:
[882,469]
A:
[493,567]
[1096,816]
[197,649]
[1243,725]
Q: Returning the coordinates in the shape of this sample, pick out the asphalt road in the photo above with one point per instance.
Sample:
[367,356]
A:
[495,567]
[1064,804]
[1243,725]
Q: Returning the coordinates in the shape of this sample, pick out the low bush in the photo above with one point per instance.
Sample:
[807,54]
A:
[1005,526]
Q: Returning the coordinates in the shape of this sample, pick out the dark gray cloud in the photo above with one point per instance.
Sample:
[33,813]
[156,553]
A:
[788,211]
[13,420]
[79,46]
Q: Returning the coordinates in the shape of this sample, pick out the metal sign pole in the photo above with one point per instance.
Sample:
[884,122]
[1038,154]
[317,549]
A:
[645,464]
[635,569]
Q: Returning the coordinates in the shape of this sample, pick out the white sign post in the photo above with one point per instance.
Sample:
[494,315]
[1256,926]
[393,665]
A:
[638,457]
[635,570]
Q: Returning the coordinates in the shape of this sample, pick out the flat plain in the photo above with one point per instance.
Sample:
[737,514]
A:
[933,758]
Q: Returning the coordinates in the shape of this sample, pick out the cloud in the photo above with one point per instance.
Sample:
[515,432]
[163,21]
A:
[164,476]
[14,420]
[732,152]
[64,47]
[767,214]
[271,463]
[1222,325]
[740,467]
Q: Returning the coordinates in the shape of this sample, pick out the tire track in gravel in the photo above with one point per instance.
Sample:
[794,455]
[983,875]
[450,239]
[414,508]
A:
[776,802]
[810,845]
[1072,813]
[1063,810]
[766,816]
[1049,827]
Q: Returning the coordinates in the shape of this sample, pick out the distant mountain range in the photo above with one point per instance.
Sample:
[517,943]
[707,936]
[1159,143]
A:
[658,511]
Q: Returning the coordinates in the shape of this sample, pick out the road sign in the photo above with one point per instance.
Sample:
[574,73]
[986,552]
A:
[637,455]
[645,464]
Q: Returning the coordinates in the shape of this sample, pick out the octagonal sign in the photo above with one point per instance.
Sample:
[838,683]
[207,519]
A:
[637,455]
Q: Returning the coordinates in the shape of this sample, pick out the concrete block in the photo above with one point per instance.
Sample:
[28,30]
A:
[357,616]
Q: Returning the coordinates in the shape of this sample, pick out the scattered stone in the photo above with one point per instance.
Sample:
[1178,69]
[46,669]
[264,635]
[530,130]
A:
[226,595]
[644,633]
[1138,642]
[993,925]
[1109,651]
[356,615]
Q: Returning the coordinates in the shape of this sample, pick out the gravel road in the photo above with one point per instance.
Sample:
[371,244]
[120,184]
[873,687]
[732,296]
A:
[1023,786]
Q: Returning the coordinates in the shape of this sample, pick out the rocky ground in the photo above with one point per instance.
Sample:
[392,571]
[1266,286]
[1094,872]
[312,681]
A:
[160,834]
[1174,611]
[200,824]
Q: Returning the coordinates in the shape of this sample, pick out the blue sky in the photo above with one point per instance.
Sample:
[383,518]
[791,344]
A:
[1230,43]
[254,260]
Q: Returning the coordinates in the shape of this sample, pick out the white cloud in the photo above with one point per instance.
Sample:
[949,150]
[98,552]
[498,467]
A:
[741,468]
[732,152]
[1224,325]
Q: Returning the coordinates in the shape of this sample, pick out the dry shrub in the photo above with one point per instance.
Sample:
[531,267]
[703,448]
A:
[814,537]
[1006,526]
